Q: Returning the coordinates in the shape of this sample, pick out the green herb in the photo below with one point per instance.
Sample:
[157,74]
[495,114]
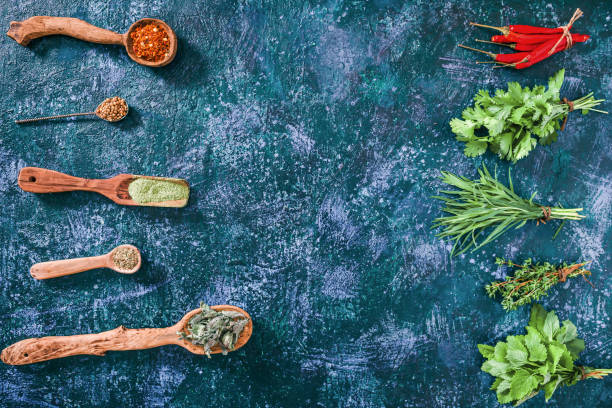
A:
[515,120]
[531,281]
[543,359]
[486,203]
[211,328]
[145,190]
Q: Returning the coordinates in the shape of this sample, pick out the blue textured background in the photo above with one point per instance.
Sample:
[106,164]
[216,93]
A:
[312,135]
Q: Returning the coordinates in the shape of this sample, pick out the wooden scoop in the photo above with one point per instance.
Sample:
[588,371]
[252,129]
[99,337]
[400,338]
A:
[40,26]
[47,348]
[37,180]
[54,269]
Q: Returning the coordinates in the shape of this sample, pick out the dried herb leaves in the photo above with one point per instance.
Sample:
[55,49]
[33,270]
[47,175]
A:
[211,328]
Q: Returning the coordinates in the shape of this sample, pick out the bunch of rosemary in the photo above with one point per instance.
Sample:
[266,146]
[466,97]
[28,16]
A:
[541,360]
[210,328]
[531,281]
[486,203]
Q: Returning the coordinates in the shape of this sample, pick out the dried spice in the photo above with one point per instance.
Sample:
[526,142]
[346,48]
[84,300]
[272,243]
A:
[211,328]
[542,360]
[125,258]
[150,42]
[112,109]
[145,190]
[532,281]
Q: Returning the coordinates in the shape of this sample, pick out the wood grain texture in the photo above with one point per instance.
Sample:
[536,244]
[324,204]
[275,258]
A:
[41,26]
[63,267]
[37,180]
[35,350]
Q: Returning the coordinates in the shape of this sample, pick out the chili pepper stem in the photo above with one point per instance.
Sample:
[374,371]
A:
[504,30]
[491,42]
[490,54]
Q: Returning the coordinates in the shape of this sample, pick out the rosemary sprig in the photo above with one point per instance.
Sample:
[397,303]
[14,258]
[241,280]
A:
[486,203]
[532,281]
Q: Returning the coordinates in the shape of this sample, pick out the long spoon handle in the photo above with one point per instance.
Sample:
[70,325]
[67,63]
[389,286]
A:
[54,269]
[68,115]
[37,180]
[40,26]
[35,350]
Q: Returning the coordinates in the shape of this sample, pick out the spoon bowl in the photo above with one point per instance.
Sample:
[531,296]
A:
[183,325]
[129,43]
[112,264]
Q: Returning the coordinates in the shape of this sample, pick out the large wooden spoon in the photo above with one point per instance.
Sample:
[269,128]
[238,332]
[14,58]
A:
[40,26]
[37,180]
[47,348]
[54,269]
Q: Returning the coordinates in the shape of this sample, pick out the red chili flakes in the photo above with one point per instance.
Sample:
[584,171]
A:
[150,42]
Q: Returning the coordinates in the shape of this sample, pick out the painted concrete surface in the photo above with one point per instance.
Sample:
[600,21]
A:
[312,134]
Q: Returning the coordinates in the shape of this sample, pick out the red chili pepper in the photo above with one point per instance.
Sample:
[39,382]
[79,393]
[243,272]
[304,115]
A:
[534,38]
[502,58]
[542,52]
[527,29]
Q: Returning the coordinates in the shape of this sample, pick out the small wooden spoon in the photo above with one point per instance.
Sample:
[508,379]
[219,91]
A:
[47,348]
[54,269]
[40,26]
[37,180]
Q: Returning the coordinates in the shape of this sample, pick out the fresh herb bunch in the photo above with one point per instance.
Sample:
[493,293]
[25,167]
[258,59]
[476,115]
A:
[531,281]
[486,203]
[211,328]
[543,359]
[515,120]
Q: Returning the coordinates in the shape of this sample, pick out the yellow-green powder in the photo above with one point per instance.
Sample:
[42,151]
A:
[143,190]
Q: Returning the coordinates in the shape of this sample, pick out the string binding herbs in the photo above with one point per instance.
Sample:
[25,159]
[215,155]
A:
[477,205]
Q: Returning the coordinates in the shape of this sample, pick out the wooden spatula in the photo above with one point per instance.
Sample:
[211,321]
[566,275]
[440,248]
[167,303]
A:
[37,180]
[48,348]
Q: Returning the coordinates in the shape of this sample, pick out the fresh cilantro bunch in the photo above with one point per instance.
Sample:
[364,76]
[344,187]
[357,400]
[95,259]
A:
[531,281]
[543,359]
[512,122]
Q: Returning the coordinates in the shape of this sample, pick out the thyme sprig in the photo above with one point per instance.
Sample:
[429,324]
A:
[485,203]
[532,281]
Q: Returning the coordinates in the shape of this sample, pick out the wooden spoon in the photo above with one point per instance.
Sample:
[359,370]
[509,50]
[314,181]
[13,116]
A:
[47,348]
[40,26]
[54,269]
[37,180]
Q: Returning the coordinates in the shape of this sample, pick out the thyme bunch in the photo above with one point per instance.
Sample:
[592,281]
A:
[531,281]
[477,205]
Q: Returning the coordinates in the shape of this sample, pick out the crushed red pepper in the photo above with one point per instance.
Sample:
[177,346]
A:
[151,42]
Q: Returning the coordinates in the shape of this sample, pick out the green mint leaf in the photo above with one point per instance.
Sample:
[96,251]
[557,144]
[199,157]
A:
[537,351]
[551,386]
[551,325]
[495,368]
[575,347]
[487,351]
[522,383]
[538,317]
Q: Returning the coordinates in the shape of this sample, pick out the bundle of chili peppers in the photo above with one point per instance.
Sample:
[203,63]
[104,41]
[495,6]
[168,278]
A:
[533,44]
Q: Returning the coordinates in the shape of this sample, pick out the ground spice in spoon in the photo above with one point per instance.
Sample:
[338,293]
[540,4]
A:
[145,190]
[125,258]
[150,42]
